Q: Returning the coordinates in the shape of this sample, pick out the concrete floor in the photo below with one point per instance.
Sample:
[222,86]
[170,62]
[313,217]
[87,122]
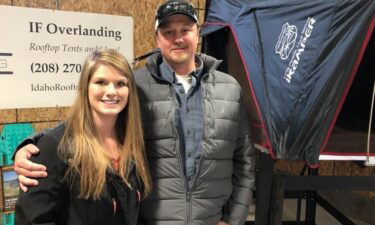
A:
[290,209]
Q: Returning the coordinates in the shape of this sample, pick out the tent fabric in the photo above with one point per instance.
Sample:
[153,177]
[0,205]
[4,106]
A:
[300,58]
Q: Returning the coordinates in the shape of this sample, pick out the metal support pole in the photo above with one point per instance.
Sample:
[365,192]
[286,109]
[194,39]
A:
[264,180]
[311,201]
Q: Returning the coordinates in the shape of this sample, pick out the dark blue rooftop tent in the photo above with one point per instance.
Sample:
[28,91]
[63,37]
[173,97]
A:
[296,61]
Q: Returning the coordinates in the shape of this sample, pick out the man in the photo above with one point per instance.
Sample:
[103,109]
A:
[197,140]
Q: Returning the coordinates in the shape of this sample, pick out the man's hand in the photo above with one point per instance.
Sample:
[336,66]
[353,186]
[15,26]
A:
[26,169]
[222,223]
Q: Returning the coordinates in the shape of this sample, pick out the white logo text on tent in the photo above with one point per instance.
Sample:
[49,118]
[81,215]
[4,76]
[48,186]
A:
[297,54]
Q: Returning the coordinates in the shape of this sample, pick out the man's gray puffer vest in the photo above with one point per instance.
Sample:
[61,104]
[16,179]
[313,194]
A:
[222,186]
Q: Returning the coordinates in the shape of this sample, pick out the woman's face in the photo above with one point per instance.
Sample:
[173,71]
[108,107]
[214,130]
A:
[108,92]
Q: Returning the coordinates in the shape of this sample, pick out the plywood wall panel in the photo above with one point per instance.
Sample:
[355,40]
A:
[39,114]
[144,24]
[5,2]
[359,170]
[326,168]
[292,167]
[342,168]
[43,125]
[7,115]
[44,4]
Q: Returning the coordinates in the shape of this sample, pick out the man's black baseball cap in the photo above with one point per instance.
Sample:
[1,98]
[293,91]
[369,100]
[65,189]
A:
[172,7]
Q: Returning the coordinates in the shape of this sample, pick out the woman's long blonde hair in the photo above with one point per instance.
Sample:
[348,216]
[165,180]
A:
[80,145]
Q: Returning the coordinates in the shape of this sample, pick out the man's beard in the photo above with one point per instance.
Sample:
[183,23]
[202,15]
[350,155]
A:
[179,59]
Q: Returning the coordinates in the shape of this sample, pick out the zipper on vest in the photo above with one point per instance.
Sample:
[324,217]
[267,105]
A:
[172,121]
[198,168]
[204,96]
[189,208]
[183,178]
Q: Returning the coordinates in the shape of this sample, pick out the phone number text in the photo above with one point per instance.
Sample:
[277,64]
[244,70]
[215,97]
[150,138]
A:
[37,67]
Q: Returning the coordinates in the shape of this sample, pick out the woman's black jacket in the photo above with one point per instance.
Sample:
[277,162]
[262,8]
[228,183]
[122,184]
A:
[55,202]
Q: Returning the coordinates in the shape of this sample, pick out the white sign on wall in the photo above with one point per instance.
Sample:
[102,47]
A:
[42,51]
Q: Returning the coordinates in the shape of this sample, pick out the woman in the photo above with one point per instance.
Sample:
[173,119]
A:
[96,162]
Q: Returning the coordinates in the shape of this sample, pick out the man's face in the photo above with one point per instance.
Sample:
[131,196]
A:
[178,40]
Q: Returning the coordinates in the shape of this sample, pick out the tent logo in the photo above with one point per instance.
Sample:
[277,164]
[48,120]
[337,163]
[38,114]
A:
[286,41]
[297,54]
